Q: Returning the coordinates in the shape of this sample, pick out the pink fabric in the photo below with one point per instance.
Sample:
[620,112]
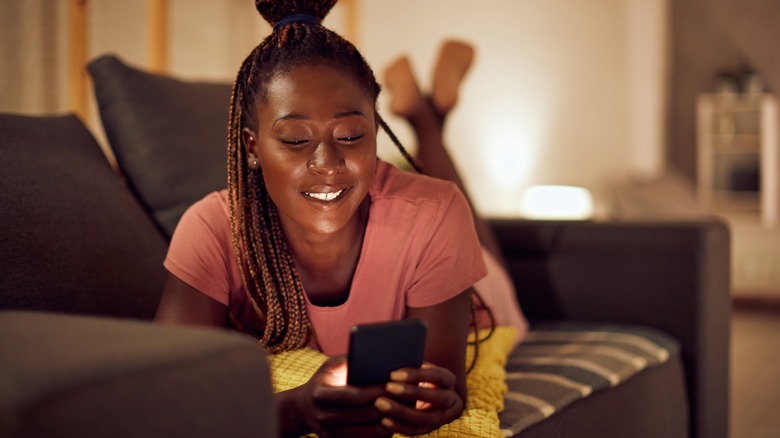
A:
[498,292]
[420,249]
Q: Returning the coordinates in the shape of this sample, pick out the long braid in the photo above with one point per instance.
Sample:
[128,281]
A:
[407,156]
[269,277]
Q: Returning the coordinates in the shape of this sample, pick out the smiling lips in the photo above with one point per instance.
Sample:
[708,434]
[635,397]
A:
[327,197]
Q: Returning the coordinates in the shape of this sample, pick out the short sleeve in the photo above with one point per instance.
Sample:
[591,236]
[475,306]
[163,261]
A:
[200,249]
[451,260]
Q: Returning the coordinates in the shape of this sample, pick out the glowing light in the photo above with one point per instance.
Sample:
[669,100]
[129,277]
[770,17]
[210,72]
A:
[557,202]
[508,166]
[337,376]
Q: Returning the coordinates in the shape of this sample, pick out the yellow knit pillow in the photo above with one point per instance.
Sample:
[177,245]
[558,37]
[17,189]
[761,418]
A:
[486,383]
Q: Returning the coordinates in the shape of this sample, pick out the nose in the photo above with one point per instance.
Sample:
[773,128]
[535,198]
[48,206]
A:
[326,160]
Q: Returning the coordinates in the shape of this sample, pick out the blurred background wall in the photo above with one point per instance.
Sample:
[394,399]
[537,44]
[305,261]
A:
[597,93]
[556,95]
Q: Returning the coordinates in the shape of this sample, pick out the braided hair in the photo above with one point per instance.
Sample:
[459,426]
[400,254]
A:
[268,272]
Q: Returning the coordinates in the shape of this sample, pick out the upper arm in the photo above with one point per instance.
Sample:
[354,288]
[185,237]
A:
[448,328]
[199,264]
[183,304]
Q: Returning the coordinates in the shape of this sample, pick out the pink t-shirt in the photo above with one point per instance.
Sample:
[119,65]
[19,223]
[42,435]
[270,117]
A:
[420,249]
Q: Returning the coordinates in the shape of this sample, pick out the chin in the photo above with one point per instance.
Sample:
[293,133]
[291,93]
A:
[329,227]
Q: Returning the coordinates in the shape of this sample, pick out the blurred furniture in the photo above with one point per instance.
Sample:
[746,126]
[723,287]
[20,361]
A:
[80,278]
[738,152]
[669,275]
[738,158]
[79,242]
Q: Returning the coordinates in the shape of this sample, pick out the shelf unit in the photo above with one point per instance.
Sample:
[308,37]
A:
[737,148]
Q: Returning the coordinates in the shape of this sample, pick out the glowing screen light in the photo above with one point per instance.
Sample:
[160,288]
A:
[556,202]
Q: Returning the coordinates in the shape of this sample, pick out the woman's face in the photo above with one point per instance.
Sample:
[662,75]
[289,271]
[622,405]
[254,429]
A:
[316,145]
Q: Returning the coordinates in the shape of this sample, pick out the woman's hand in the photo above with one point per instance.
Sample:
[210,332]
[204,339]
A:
[430,389]
[331,408]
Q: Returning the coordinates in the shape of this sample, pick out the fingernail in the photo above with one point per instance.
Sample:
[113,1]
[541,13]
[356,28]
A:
[382,404]
[386,422]
[399,375]
[394,388]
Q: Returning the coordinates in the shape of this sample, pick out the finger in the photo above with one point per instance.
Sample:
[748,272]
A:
[346,396]
[405,420]
[333,361]
[332,372]
[438,376]
[393,408]
[439,398]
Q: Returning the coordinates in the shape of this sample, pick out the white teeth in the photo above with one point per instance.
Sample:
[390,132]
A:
[325,196]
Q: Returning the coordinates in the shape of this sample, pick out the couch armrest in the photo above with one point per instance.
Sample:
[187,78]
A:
[65,375]
[670,275]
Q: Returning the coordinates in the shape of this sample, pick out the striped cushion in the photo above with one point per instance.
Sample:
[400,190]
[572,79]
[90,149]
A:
[559,363]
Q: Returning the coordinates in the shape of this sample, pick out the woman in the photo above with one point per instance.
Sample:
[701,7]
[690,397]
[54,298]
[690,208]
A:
[315,235]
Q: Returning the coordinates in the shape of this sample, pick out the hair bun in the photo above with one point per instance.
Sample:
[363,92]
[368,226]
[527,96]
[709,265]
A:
[274,10]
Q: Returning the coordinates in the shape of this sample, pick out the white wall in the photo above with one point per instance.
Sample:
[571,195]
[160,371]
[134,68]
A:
[561,92]
[119,27]
[210,39]
[547,101]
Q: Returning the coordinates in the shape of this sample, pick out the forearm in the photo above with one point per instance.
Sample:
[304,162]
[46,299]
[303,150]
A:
[291,420]
[182,304]
[448,330]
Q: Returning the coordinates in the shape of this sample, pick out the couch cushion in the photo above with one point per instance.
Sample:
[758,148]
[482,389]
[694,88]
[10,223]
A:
[75,376]
[651,404]
[169,136]
[73,238]
[561,364]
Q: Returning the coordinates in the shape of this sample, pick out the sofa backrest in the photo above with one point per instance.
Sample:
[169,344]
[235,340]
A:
[72,237]
[169,136]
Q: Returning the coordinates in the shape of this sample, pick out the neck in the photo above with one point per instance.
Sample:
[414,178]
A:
[327,263]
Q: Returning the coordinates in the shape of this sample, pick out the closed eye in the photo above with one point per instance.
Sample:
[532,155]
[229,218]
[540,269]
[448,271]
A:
[350,139]
[296,142]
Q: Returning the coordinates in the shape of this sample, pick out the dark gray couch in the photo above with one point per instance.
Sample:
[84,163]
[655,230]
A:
[80,278]
[669,275]
[77,240]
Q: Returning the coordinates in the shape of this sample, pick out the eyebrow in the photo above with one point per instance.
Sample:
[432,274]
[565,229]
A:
[340,115]
[350,113]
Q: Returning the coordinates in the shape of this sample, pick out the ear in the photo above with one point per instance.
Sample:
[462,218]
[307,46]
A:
[249,140]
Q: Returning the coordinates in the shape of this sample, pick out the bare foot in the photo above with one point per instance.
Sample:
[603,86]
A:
[406,98]
[455,58]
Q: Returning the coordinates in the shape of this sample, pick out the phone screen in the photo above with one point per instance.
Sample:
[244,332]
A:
[376,350]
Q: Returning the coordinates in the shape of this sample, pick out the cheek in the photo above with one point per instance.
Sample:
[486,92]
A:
[363,162]
[364,167]
[279,176]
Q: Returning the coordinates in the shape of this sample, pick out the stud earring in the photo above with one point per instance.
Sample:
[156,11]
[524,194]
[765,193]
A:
[255,162]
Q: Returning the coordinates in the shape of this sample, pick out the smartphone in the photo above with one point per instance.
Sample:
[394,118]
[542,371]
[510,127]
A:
[375,350]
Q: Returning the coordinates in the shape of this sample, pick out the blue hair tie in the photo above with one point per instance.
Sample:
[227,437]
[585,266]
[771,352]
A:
[296,18]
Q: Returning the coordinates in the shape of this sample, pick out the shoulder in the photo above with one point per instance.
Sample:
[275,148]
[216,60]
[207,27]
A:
[392,183]
[213,203]
[417,206]
[208,215]
[211,208]
[201,249]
